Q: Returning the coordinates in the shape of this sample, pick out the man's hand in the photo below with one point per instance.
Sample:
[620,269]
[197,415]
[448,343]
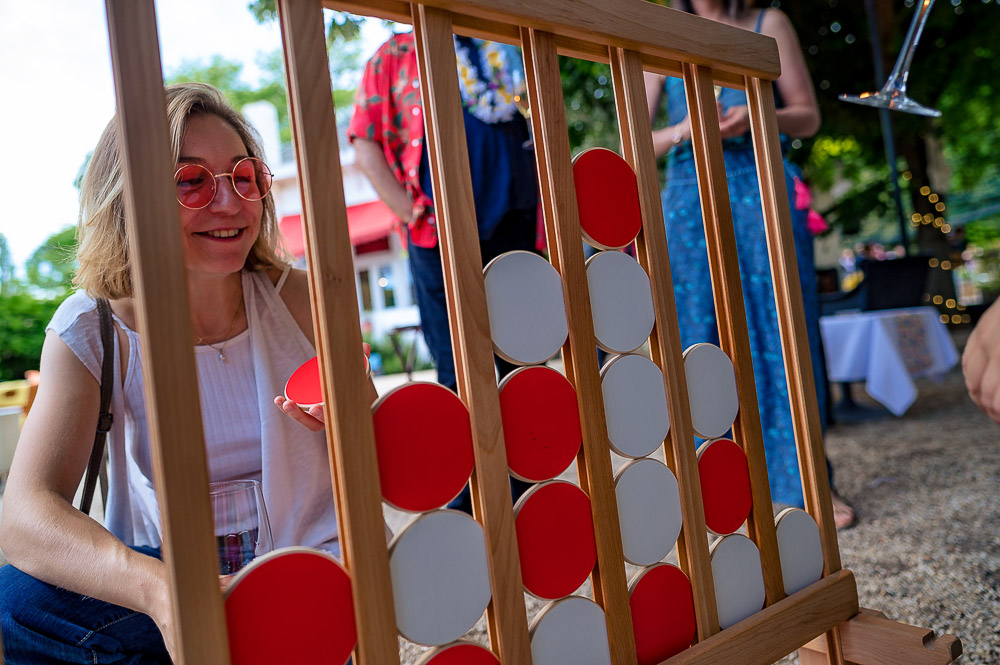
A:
[735,122]
[981,363]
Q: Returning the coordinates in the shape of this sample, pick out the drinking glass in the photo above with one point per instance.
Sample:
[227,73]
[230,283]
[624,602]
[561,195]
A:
[242,530]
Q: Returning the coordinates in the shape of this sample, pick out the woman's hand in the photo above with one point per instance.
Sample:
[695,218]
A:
[734,122]
[312,419]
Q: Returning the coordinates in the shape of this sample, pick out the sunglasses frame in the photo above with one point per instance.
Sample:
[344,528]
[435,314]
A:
[265,170]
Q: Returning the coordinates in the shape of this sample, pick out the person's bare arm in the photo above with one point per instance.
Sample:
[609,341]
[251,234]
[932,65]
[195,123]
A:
[981,363]
[41,532]
[371,160]
[664,138]
[799,117]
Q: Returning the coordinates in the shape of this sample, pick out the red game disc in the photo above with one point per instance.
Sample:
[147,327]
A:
[663,617]
[607,196]
[293,605]
[303,386]
[555,539]
[541,423]
[460,653]
[423,439]
[725,485]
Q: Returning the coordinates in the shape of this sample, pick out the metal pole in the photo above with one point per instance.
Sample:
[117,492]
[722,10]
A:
[888,138]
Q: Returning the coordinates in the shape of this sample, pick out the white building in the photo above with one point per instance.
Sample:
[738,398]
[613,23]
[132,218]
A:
[382,275]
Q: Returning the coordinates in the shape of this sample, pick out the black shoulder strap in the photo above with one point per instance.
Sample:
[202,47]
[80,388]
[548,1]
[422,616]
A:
[105,419]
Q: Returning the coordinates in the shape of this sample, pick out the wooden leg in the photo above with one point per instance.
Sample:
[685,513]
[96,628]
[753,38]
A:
[871,639]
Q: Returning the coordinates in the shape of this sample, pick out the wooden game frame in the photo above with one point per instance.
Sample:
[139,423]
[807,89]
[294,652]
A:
[632,36]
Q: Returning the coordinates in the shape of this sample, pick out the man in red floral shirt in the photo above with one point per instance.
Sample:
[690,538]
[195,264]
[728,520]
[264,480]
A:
[387,131]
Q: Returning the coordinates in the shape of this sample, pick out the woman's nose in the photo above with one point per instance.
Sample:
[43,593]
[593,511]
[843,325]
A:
[226,198]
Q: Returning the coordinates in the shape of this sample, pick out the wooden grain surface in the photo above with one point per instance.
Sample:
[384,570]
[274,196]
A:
[163,317]
[337,326]
[665,342]
[562,225]
[781,628]
[470,331]
[792,328]
[666,35]
[730,312]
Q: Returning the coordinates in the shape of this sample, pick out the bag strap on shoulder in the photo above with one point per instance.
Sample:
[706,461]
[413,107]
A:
[105,419]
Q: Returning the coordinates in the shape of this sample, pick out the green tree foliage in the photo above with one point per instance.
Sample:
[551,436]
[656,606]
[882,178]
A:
[7,283]
[51,266]
[954,70]
[22,328]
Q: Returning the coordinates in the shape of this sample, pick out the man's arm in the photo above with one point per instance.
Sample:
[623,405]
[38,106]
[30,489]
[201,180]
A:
[371,160]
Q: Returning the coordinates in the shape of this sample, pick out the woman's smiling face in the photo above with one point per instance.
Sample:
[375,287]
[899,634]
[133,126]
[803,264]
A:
[218,237]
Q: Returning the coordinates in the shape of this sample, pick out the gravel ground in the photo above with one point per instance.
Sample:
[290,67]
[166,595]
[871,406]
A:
[926,488]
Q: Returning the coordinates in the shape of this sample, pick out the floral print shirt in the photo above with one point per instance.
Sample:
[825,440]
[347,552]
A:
[388,110]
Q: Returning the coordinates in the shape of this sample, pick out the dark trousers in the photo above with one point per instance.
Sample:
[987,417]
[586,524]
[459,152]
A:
[42,623]
[516,231]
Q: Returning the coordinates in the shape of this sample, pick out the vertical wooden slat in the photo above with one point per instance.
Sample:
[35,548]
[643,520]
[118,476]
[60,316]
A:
[162,311]
[349,430]
[665,342]
[730,312]
[562,223]
[470,333]
[792,325]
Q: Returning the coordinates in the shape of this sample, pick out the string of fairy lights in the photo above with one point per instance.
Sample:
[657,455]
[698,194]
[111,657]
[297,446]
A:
[957,315]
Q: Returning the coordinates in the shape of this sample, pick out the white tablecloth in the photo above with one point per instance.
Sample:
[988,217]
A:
[886,349]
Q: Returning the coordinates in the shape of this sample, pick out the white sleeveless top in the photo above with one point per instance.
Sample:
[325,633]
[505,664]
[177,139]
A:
[246,436]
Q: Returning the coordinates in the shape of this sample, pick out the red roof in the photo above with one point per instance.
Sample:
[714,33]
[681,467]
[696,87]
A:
[365,222]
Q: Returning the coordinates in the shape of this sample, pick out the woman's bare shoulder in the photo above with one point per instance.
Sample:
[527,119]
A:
[295,294]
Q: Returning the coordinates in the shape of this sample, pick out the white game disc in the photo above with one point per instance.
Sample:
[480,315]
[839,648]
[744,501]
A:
[799,548]
[527,313]
[635,405]
[621,300]
[738,577]
[440,577]
[711,382]
[571,631]
[649,510]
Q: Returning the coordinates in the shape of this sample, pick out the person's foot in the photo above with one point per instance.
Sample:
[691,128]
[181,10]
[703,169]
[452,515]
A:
[843,514]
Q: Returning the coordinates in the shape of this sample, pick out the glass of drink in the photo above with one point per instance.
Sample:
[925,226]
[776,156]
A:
[242,530]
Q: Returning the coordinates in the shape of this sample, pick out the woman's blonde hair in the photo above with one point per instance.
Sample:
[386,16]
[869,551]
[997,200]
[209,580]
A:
[105,268]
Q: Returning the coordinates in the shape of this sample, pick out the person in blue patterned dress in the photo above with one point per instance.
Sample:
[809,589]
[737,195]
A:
[798,117]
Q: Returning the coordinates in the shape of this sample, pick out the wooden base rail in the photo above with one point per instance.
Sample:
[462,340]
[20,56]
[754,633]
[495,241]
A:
[781,628]
[869,638]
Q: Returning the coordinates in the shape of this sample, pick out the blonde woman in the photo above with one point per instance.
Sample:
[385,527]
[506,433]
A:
[81,592]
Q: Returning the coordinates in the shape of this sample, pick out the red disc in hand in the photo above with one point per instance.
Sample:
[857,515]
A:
[725,485]
[423,439]
[607,196]
[662,613]
[555,538]
[303,386]
[291,606]
[541,423]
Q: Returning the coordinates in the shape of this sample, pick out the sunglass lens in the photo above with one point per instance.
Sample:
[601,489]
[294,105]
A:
[195,186]
[251,179]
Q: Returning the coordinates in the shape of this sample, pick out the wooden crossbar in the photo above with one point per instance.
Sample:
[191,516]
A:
[632,36]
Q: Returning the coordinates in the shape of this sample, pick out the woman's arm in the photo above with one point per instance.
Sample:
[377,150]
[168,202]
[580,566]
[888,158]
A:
[664,138]
[799,118]
[41,532]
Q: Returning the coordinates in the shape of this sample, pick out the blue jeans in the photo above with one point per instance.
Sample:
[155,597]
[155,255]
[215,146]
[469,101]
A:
[42,623]
[515,231]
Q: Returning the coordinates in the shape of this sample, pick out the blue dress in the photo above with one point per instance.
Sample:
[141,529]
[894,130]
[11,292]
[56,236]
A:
[693,287]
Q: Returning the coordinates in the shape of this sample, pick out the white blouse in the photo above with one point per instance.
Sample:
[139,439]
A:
[246,436]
